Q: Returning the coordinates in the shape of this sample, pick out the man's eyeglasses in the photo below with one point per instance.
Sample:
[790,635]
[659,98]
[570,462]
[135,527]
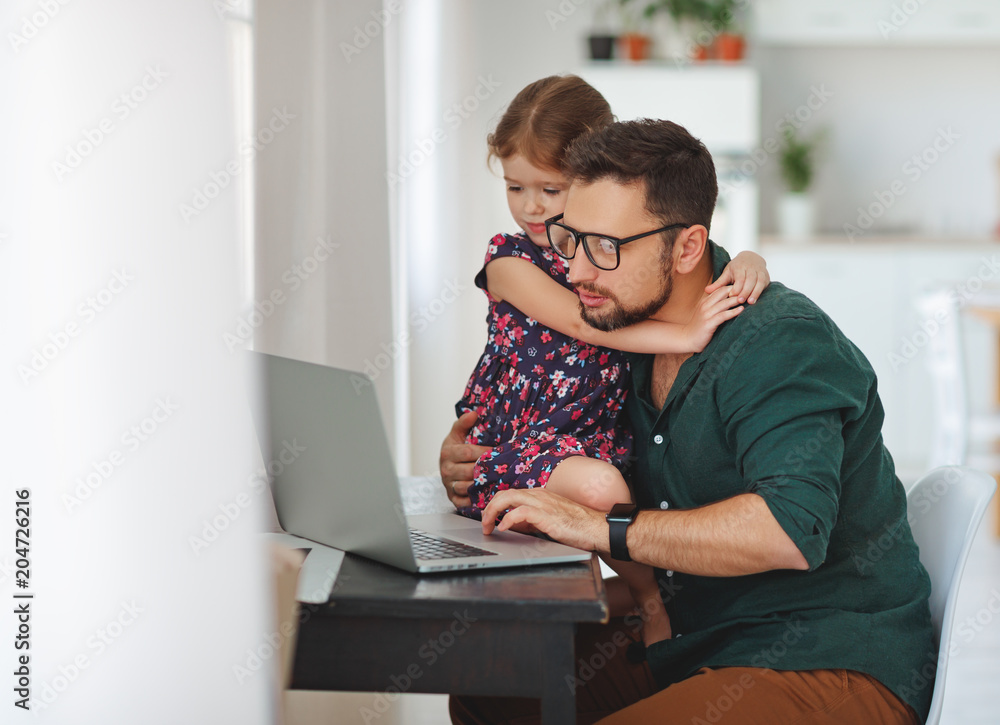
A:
[602,251]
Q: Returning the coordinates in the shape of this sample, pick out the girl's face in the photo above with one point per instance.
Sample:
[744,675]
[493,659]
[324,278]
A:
[533,195]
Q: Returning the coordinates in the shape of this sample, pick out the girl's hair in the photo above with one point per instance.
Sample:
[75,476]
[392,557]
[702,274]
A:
[545,117]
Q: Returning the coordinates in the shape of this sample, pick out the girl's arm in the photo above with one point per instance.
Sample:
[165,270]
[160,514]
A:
[537,295]
[747,273]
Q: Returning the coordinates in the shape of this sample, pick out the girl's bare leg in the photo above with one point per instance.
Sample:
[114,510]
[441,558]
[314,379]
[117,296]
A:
[599,485]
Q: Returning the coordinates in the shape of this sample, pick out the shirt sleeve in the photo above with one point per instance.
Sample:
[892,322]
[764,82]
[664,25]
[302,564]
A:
[505,245]
[788,394]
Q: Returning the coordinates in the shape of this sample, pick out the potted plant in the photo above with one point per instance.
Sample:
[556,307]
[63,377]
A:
[633,43]
[729,44]
[686,16]
[796,208]
[601,41]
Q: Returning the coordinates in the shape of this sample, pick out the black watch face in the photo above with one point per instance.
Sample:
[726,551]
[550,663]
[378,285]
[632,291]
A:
[623,511]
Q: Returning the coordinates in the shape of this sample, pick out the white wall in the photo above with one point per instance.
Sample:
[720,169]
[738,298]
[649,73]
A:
[123,411]
[888,104]
[322,219]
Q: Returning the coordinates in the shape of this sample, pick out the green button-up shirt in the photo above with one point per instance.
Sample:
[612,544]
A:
[781,404]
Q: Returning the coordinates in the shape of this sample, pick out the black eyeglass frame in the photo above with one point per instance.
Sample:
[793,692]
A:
[581,240]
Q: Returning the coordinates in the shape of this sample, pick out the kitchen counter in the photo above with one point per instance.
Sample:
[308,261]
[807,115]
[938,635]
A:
[881,241]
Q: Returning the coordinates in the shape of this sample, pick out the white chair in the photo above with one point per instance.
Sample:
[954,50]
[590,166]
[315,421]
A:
[945,508]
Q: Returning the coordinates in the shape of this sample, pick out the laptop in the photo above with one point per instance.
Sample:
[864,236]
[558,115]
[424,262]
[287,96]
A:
[334,482]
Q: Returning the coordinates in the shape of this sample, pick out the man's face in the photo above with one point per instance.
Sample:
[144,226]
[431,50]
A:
[643,281]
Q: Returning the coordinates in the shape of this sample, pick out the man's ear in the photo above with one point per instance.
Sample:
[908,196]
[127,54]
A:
[689,248]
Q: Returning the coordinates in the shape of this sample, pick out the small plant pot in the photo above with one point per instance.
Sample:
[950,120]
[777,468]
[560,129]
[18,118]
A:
[730,47]
[634,46]
[602,47]
[796,217]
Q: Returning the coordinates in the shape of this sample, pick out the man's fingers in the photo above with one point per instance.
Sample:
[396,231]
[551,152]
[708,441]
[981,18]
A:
[519,515]
[461,427]
[472,452]
[502,501]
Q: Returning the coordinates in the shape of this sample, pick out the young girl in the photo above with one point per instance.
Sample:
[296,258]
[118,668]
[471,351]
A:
[548,388]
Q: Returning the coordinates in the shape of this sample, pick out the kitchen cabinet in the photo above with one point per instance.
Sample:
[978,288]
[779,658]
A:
[875,22]
[869,291]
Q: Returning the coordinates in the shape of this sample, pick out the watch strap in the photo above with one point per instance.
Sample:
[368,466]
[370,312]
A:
[617,531]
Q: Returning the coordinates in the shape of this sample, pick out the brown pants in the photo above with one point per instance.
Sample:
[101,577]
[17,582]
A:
[614,691]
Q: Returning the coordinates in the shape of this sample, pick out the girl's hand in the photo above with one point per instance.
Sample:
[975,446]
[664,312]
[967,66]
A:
[714,309]
[747,273]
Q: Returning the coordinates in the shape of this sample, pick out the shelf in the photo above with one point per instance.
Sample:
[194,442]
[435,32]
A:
[885,23]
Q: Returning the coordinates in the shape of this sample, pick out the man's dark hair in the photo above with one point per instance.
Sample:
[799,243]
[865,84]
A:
[675,168]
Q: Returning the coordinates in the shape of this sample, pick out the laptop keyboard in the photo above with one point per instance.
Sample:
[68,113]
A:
[426,546]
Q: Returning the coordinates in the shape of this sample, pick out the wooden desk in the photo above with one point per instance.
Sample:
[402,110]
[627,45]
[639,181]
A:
[488,632]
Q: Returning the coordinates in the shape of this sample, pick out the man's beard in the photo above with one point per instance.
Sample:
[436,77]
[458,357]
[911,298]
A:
[620,316]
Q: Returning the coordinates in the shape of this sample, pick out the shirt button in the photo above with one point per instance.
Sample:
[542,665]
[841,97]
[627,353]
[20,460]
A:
[670,572]
[664,505]
[657,439]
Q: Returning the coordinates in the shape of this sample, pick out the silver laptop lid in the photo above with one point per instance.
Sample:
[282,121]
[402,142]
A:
[333,476]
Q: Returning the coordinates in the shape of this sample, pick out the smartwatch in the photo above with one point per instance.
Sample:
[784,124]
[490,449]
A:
[619,518]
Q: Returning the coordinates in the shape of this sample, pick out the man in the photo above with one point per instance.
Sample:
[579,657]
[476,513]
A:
[760,478]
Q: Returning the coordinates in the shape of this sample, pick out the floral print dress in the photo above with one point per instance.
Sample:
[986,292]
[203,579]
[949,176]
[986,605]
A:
[541,396]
